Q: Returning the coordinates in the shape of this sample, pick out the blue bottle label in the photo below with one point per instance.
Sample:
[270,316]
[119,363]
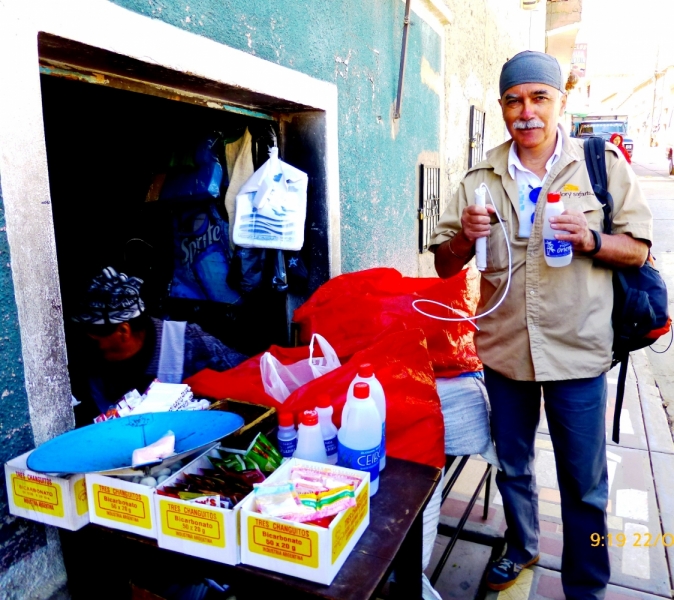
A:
[360,460]
[287,447]
[383,440]
[557,248]
[330,446]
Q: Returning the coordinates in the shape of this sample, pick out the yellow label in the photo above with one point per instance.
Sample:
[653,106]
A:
[80,490]
[570,187]
[40,494]
[351,519]
[122,506]
[283,542]
[192,523]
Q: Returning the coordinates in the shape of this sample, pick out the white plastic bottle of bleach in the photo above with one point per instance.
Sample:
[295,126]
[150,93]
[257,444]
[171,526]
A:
[360,436]
[366,375]
[328,429]
[310,444]
[287,434]
[557,253]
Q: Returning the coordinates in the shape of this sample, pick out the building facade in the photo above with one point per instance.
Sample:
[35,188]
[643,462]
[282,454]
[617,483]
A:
[326,74]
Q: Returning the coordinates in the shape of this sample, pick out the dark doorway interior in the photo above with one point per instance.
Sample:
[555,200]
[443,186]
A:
[104,146]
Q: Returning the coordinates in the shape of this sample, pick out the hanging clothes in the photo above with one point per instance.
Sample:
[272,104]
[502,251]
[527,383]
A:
[239,158]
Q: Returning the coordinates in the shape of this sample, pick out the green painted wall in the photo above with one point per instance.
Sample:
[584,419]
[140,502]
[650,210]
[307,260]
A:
[356,45]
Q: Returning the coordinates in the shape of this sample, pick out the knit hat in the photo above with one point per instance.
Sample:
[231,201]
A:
[531,67]
[111,299]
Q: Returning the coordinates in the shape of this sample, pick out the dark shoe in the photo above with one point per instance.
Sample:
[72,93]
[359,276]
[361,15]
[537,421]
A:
[504,572]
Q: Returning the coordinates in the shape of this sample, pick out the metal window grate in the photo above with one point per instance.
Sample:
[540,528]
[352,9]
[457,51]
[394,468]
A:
[429,204]
[476,138]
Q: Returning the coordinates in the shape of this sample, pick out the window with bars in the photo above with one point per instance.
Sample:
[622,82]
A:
[429,204]
[476,136]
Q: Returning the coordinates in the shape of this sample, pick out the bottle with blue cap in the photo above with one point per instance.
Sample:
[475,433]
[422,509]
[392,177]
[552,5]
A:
[557,253]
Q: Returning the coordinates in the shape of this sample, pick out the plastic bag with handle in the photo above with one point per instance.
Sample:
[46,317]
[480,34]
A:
[281,380]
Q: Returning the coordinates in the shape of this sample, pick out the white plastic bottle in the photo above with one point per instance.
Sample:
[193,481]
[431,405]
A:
[328,429]
[557,253]
[366,375]
[360,436]
[310,444]
[287,434]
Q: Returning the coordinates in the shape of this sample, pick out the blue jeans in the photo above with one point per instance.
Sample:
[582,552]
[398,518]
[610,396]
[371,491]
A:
[575,411]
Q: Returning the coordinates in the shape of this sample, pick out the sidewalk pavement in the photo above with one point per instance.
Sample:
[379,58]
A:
[641,507]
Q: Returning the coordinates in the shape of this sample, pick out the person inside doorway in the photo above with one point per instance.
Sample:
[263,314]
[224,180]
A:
[128,349]
[552,334]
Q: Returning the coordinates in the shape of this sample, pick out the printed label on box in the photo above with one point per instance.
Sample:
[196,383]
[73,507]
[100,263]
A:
[352,518]
[40,494]
[192,523]
[81,505]
[122,506]
[284,542]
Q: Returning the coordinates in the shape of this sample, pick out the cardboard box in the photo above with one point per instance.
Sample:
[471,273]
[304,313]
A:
[300,549]
[203,531]
[58,501]
[121,504]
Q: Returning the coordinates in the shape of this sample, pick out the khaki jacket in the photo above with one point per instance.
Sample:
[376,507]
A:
[555,323]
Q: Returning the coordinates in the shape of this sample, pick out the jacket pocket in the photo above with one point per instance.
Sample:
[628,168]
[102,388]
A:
[589,206]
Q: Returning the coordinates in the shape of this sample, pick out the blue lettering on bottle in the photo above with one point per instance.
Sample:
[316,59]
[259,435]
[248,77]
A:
[287,447]
[382,448]
[557,248]
[360,460]
[331,446]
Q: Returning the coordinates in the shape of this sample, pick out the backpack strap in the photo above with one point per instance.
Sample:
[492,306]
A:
[595,159]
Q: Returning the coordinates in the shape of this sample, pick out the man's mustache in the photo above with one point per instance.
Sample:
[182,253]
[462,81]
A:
[530,124]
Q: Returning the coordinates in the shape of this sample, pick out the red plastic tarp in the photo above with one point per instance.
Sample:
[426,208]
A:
[414,424]
[354,310]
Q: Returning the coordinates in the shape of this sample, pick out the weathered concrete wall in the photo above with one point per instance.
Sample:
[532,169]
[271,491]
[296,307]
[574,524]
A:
[560,14]
[30,563]
[482,37]
[356,45]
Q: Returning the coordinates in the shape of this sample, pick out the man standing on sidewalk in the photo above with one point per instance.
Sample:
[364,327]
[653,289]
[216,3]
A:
[552,333]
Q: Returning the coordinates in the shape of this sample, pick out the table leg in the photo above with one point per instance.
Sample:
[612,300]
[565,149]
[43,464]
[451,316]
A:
[407,564]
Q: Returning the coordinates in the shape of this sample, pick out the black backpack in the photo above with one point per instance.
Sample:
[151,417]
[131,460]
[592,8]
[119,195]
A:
[640,310]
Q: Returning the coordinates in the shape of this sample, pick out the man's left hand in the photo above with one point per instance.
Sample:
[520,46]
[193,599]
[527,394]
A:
[575,223]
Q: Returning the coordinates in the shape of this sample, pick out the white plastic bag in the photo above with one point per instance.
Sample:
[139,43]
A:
[280,380]
[271,207]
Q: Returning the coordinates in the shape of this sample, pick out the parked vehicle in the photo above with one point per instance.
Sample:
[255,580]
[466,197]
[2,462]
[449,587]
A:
[604,126]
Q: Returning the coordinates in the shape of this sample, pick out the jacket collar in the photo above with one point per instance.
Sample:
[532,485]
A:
[497,157]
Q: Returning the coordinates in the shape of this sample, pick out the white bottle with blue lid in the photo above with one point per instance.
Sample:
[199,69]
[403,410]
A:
[366,375]
[557,253]
[360,436]
[287,434]
[328,429]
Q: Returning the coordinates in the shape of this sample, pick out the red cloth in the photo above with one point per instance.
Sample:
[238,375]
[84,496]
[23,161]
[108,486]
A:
[617,140]
[354,310]
[414,423]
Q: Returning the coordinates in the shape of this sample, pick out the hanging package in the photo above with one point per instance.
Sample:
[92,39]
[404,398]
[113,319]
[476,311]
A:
[201,256]
[271,207]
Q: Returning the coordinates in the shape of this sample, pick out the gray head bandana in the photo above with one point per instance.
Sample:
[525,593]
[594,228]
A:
[531,67]
[112,298]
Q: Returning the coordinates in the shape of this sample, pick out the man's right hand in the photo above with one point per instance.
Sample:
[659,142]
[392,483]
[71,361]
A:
[475,221]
